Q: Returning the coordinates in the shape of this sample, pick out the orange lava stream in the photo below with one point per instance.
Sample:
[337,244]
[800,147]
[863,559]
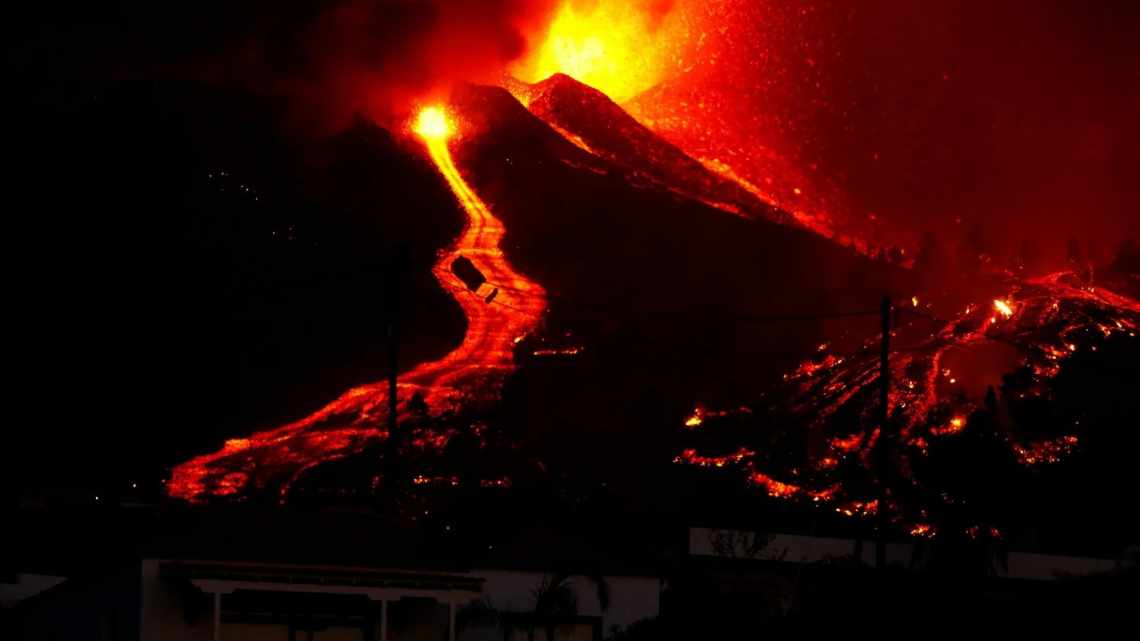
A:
[357,418]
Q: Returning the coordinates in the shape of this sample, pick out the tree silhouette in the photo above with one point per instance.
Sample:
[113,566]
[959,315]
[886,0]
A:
[927,261]
[1127,258]
[554,596]
[974,248]
[1027,257]
[1076,255]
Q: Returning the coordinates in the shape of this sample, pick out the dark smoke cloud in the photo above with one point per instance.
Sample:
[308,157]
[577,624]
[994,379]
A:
[332,58]
[1019,116]
[378,57]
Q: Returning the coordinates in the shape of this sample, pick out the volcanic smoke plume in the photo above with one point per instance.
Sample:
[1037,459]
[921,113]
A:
[338,59]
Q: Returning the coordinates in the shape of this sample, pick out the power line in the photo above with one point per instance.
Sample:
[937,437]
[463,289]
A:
[748,318]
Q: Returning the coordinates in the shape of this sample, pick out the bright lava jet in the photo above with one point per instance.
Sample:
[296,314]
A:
[433,124]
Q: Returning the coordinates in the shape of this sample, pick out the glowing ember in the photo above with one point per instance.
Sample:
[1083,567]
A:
[1055,316]
[953,427]
[1003,308]
[420,479]
[858,508]
[695,420]
[923,530]
[1048,451]
[691,457]
[557,351]
[701,414]
[776,489]
[848,444]
[976,531]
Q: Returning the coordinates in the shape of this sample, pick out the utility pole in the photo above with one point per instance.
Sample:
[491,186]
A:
[884,437]
[392,311]
[392,471]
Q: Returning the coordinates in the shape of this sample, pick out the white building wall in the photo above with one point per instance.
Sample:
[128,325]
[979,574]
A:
[162,612]
[632,598]
[27,586]
[793,548]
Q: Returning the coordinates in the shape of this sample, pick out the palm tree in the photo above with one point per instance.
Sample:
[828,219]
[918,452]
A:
[554,596]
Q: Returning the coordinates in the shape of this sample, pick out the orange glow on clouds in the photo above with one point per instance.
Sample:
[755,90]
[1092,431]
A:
[619,47]
[644,55]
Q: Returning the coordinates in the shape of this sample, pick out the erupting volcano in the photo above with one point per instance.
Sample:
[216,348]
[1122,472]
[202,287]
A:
[614,109]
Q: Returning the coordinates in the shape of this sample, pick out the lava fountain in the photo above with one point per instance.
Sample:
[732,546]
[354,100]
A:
[619,47]
[499,311]
[686,71]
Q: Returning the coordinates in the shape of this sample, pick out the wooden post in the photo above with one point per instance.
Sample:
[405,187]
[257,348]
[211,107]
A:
[884,436]
[395,271]
[383,620]
[217,616]
[451,621]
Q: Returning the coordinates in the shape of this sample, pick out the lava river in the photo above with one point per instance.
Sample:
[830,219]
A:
[499,312]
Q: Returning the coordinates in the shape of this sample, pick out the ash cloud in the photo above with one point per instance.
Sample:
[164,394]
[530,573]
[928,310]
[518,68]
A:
[333,59]
[378,57]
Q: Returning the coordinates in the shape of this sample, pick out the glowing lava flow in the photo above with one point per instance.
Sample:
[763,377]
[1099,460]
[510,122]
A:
[496,318]
[515,309]
[1042,323]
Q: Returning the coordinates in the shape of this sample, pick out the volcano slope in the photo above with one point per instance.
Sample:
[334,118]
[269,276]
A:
[234,275]
[639,260]
[673,299]
[660,288]
[599,126]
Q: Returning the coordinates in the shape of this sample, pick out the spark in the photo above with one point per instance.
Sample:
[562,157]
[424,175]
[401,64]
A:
[953,427]
[923,530]
[1003,308]
[695,420]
